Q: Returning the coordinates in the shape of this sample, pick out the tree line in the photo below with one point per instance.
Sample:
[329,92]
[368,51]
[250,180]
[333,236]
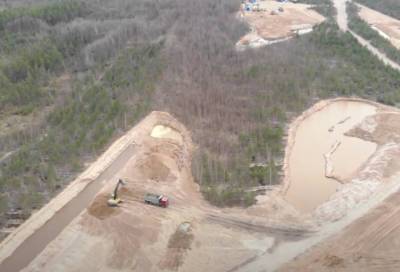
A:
[127,58]
[364,29]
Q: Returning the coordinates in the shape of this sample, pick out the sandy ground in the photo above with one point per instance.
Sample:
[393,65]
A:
[377,180]
[268,28]
[75,188]
[139,237]
[388,27]
[342,20]
[191,235]
[372,242]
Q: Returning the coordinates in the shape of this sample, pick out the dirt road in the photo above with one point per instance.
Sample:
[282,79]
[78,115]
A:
[375,51]
[387,27]
[341,16]
[369,244]
[24,244]
[140,237]
[342,21]
[190,235]
[35,243]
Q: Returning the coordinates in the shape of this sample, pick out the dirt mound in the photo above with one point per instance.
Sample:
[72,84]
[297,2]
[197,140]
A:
[154,168]
[182,238]
[165,132]
[332,261]
[178,244]
[100,209]
[380,128]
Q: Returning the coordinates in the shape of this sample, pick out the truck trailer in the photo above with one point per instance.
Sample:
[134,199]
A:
[157,200]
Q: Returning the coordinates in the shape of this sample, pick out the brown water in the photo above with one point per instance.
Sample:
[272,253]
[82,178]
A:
[37,242]
[314,137]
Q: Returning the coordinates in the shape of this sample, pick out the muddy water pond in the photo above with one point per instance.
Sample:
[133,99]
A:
[315,137]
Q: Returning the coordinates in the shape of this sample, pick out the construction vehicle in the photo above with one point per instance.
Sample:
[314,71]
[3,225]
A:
[157,200]
[114,200]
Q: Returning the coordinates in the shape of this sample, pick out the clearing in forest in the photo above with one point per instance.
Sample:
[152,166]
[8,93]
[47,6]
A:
[272,21]
[78,231]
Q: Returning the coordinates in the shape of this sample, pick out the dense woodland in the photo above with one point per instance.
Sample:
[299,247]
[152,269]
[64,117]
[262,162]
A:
[91,69]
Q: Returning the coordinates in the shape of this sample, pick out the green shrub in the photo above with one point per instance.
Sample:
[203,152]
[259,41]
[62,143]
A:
[228,197]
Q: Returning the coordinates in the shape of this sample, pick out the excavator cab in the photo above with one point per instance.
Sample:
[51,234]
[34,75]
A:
[114,200]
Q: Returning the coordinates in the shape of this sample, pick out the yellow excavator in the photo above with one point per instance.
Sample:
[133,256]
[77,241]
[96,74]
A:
[114,200]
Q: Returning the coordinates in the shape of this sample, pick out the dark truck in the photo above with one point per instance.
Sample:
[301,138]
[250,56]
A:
[157,200]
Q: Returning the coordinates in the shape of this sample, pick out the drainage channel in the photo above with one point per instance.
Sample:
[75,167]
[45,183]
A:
[37,242]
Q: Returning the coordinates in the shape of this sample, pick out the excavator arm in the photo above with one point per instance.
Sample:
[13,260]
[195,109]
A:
[115,194]
[114,200]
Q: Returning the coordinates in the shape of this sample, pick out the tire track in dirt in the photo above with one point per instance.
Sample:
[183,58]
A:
[380,229]
[377,263]
[285,233]
[369,244]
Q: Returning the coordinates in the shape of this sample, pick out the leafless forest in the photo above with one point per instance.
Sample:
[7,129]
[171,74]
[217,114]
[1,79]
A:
[76,74]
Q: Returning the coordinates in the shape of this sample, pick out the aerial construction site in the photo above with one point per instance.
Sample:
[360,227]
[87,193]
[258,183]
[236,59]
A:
[273,21]
[144,204]
[192,235]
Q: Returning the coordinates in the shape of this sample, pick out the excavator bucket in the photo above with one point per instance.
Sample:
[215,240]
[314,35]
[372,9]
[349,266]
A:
[114,202]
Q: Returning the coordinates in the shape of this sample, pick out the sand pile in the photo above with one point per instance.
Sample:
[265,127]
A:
[165,132]
[178,244]
[381,128]
[154,168]
[100,209]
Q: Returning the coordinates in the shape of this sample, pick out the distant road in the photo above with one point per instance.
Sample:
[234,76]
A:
[342,21]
